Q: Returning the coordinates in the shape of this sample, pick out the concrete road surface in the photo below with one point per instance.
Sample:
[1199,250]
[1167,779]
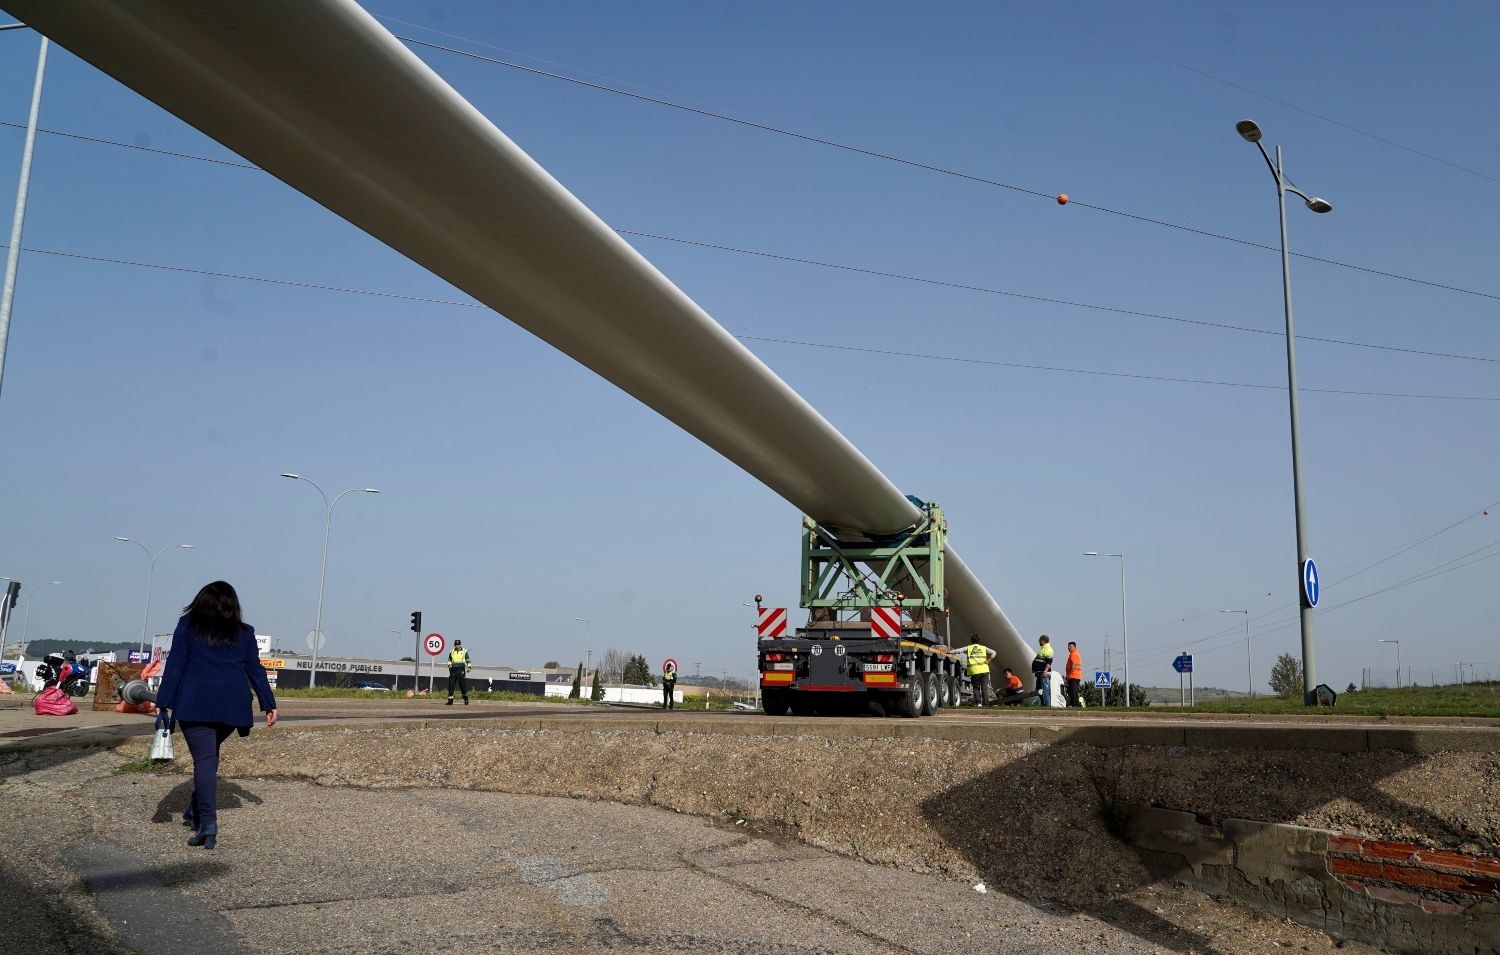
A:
[304,868]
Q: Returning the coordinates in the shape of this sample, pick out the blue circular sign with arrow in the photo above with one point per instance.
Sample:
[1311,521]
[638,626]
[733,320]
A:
[1310,582]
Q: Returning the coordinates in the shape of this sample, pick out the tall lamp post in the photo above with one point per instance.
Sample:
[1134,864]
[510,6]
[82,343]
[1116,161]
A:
[1124,624]
[18,222]
[150,578]
[30,594]
[1249,668]
[588,643]
[1398,660]
[1251,133]
[5,611]
[328,507]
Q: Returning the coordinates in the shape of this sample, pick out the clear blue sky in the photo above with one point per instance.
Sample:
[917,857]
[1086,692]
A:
[521,492]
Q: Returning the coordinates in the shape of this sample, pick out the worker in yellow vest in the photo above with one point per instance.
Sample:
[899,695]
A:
[458,671]
[978,657]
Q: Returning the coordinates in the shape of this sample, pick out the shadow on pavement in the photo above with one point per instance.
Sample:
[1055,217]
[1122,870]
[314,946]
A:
[38,920]
[21,763]
[231,796]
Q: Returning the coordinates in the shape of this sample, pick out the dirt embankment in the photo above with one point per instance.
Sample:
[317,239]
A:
[1023,816]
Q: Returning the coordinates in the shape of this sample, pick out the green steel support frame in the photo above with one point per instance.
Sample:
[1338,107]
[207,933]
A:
[843,574]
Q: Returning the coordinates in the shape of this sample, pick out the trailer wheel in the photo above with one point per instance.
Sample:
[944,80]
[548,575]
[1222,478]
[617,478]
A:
[929,693]
[774,702]
[943,689]
[910,702]
[956,690]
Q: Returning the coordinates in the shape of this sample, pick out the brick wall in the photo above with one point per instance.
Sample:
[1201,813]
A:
[1395,895]
[1443,883]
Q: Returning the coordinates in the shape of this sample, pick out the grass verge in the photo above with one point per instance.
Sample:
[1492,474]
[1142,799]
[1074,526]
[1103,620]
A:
[1473,699]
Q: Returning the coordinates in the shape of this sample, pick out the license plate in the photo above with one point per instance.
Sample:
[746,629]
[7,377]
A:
[781,666]
[879,667]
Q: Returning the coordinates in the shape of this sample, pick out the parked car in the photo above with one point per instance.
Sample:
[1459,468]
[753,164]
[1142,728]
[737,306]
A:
[371,685]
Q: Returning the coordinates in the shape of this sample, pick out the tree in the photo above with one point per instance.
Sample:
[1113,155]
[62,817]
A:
[573,694]
[612,665]
[408,659]
[551,665]
[1286,676]
[597,693]
[638,671]
[1115,695]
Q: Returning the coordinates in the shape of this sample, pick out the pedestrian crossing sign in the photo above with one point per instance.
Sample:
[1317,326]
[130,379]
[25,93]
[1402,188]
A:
[1102,680]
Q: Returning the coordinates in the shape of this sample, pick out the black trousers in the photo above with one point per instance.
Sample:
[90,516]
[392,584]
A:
[456,679]
[1073,687]
[203,741]
[981,683]
[667,686]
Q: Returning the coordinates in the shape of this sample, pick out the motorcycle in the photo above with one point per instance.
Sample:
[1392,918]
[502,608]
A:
[66,671]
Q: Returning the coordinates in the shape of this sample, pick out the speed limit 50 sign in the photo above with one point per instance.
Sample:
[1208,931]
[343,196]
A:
[434,644]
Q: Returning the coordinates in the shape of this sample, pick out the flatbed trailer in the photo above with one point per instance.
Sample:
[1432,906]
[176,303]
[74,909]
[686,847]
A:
[874,605]
[835,669]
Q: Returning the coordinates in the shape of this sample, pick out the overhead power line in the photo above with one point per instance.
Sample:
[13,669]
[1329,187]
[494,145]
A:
[917,164]
[1253,92]
[860,270]
[241,277]
[1110,374]
[1378,558]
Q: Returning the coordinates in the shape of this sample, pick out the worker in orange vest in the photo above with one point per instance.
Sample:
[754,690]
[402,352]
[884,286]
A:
[1074,674]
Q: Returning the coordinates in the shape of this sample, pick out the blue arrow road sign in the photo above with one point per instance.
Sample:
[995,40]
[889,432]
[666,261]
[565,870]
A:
[1101,679]
[1183,663]
[1310,582]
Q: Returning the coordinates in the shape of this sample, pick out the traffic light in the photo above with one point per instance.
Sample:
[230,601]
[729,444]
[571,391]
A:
[416,621]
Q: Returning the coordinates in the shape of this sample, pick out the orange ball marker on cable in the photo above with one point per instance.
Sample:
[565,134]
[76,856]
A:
[1062,199]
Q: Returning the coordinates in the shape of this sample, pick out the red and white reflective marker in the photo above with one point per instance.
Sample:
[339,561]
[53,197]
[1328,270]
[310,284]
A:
[434,644]
[669,665]
[885,621]
[771,622]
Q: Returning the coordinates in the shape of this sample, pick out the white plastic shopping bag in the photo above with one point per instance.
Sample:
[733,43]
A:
[161,743]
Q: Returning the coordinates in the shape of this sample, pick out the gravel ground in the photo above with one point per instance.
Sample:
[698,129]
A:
[1022,818]
[321,869]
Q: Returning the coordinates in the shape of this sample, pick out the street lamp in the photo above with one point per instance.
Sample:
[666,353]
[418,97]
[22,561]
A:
[26,628]
[150,578]
[588,643]
[1249,669]
[1398,660]
[18,222]
[1251,133]
[1124,625]
[328,507]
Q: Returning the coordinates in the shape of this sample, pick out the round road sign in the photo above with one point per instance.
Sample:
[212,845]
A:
[669,665]
[434,644]
[1310,586]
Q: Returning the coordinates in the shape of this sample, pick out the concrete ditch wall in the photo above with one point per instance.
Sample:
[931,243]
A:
[1398,896]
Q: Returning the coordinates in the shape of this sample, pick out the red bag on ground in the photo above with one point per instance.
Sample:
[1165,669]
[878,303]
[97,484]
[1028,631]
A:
[53,702]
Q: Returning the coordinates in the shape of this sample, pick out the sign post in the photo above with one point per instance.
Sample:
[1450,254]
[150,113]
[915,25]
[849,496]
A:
[1184,664]
[434,645]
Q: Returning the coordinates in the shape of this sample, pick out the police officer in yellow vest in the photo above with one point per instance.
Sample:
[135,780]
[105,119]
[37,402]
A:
[978,657]
[458,670]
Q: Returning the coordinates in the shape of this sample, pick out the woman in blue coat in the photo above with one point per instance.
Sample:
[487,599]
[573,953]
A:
[205,687]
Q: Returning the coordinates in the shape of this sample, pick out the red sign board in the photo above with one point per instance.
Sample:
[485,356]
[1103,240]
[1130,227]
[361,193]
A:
[434,644]
[771,622]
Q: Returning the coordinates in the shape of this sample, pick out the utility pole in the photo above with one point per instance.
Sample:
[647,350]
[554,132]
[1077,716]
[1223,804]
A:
[13,254]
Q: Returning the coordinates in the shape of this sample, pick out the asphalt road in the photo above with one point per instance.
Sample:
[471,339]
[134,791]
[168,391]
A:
[304,868]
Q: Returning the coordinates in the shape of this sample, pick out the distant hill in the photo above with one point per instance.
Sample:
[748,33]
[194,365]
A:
[37,649]
[1170,694]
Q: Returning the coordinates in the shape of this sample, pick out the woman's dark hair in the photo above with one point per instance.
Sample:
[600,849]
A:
[215,614]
